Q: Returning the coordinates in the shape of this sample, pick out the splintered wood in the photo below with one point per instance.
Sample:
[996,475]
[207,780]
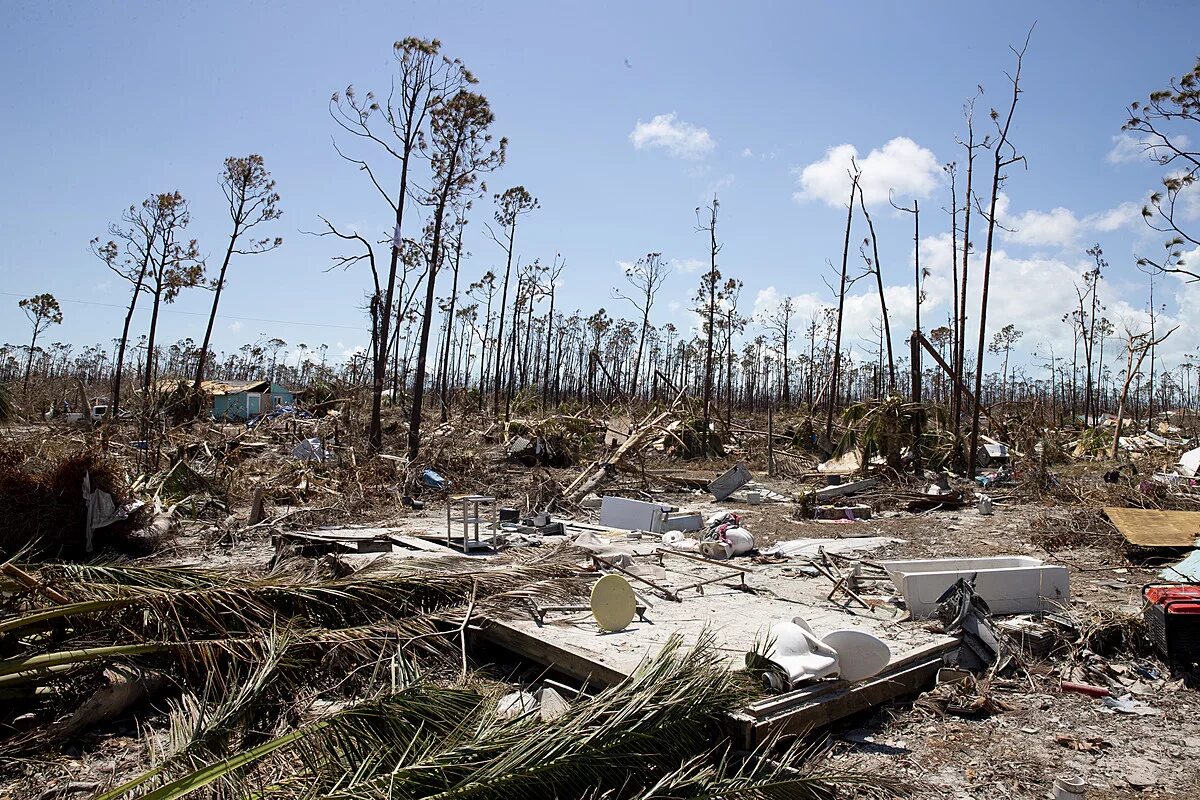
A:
[590,480]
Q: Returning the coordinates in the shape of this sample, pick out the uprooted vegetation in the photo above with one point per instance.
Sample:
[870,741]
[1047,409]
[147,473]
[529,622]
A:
[309,684]
[40,503]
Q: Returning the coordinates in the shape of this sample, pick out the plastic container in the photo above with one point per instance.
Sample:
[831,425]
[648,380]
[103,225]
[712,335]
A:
[1071,787]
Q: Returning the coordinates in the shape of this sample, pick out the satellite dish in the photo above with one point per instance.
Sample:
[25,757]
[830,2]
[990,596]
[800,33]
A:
[613,603]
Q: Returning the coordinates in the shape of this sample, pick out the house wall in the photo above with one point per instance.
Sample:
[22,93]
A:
[281,396]
[230,406]
[234,406]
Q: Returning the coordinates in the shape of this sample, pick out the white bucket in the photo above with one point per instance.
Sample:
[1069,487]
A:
[1069,788]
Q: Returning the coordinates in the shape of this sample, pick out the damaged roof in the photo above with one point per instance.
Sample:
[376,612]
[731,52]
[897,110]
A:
[215,388]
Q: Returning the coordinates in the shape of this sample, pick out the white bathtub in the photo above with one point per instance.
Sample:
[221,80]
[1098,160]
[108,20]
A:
[1009,584]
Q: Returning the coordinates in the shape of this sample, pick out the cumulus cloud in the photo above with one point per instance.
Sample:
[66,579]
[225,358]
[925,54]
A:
[1116,218]
[234,327]
[901,165]
[1130,148]
[1058,227]
[1061,227]
[680,139]
[1033,293]
[687,265]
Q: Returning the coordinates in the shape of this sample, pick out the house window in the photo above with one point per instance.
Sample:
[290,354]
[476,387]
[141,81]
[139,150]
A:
[276,400]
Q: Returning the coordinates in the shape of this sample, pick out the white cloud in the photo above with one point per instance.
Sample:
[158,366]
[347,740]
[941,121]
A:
[687,265]
[235,326]
[1032,293]
[1058,227]
[900,165]
[680,139]
[719,184]
[1061,227]
[747,153]
[1128,148]
[1127,213]
[766,301]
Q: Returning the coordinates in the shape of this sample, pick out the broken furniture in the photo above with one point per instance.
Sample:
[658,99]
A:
[1008,584]
[729,481]
[470,520]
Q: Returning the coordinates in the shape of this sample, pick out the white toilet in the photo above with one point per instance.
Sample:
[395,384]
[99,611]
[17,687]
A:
[849,654]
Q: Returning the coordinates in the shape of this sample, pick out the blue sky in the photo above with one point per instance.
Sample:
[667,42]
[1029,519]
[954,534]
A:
[106,103]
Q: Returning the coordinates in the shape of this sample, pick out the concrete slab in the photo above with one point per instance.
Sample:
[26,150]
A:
[739,619]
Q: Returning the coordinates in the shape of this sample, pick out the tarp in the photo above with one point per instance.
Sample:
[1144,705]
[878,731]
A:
[1189,464]
[101,510]
[309,450]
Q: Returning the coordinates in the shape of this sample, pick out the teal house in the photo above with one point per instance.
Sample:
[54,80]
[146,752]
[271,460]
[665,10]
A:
[238,400]
[282,396]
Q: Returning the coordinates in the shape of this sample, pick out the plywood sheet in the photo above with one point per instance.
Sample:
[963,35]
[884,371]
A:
[1150,528]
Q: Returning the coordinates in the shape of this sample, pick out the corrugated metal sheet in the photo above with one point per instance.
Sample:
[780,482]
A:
[215,388]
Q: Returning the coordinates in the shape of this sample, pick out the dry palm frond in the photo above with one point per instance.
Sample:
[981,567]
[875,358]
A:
[649,737]
[173,603]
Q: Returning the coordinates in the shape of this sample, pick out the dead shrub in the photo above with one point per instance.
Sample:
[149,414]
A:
[44,512]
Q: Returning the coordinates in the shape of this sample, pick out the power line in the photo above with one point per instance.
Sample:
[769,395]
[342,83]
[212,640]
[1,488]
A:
[199,314]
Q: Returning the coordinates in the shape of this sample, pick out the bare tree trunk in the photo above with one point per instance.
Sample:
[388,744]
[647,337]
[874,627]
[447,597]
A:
[887,326]
[443,390]
[960,355]
[512,232]
[837,344]
[999,162]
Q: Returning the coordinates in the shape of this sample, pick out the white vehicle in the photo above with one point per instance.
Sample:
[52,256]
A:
[97,411]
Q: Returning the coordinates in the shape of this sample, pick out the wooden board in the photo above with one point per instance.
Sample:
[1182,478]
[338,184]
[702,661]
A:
[1149,528]
[842,489]
[821,704]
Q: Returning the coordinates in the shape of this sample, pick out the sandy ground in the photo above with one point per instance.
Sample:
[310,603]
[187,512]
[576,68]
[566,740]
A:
[1041,733]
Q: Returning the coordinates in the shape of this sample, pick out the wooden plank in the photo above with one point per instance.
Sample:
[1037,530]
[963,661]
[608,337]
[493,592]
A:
[541,651]
[1150,528]
[825,492]
[814,692]
[749,732]
[415,543]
